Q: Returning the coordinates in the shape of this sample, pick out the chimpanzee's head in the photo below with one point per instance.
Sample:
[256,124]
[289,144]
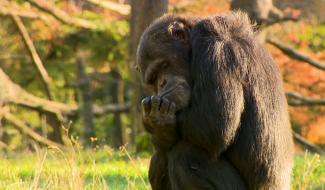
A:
[163,59]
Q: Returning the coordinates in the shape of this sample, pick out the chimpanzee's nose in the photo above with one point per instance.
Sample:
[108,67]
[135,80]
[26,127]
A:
[162,83]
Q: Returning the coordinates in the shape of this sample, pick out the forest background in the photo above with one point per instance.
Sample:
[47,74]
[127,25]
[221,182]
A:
[69,94]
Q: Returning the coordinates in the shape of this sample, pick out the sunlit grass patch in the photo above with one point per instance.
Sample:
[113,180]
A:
[309,172]
[104,169]
[55,169]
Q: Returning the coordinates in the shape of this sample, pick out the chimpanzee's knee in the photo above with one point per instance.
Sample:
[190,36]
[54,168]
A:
[191,168]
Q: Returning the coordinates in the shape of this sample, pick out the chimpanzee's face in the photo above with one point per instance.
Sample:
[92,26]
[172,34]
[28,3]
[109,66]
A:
[163,59]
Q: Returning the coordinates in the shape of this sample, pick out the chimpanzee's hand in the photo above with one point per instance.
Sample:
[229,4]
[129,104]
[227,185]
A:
[158,112]
[160,120]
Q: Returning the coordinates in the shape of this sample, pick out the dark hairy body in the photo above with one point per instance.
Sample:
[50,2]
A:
[218,115]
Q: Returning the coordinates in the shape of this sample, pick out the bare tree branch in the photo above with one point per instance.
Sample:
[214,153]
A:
[25,129]
[9,8]
[13,93]
[4,145]
[303,100]
[305,143]
[12,8]
[296,54]
[270,22]
[110,108]
[116,7]
[33,53]
[60,15]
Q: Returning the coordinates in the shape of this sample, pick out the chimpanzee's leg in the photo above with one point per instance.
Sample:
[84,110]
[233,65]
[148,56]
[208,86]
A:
[158,172]
[190,168]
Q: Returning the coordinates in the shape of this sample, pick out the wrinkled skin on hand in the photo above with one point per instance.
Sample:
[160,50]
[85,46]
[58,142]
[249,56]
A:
[159,119]
[157,111]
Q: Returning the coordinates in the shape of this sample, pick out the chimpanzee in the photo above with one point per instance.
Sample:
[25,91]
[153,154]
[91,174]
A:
[218,113]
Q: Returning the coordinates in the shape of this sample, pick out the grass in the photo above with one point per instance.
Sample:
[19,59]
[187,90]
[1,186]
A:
[55,169]
[107,169]
[309,172]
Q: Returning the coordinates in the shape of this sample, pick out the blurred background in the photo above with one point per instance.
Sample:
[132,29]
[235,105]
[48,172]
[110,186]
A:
[67,80]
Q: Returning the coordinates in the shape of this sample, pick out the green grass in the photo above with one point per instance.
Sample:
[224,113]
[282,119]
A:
[309,172]
[106,169]
[55,169]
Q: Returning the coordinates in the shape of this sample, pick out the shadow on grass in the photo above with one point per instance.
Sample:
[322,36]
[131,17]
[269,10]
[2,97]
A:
[118,182]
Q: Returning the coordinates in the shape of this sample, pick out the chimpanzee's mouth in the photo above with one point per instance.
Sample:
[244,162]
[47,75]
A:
[169,90]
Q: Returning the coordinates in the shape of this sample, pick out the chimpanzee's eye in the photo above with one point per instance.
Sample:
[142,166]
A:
[152,79]
[165,65]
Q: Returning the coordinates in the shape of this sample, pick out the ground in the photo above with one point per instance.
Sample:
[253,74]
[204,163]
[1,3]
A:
[53,169]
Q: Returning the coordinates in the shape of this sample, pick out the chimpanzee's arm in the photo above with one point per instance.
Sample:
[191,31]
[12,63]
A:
[217,101]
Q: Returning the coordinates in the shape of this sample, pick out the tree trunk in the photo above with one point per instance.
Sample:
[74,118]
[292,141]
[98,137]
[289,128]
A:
[143,12]
[258,10]
[121,100]
[117,93]
[54,123]
[1,115]
[85,101]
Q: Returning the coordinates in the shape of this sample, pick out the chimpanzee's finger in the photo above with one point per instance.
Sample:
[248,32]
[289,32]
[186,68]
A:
[155,102]
[164,105]
[145,104]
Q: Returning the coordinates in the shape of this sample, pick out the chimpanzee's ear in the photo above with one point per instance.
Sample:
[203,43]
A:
[179,31]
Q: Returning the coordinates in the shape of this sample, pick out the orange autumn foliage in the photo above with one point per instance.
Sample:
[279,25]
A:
[316,131]
[309,81]
[298,76]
